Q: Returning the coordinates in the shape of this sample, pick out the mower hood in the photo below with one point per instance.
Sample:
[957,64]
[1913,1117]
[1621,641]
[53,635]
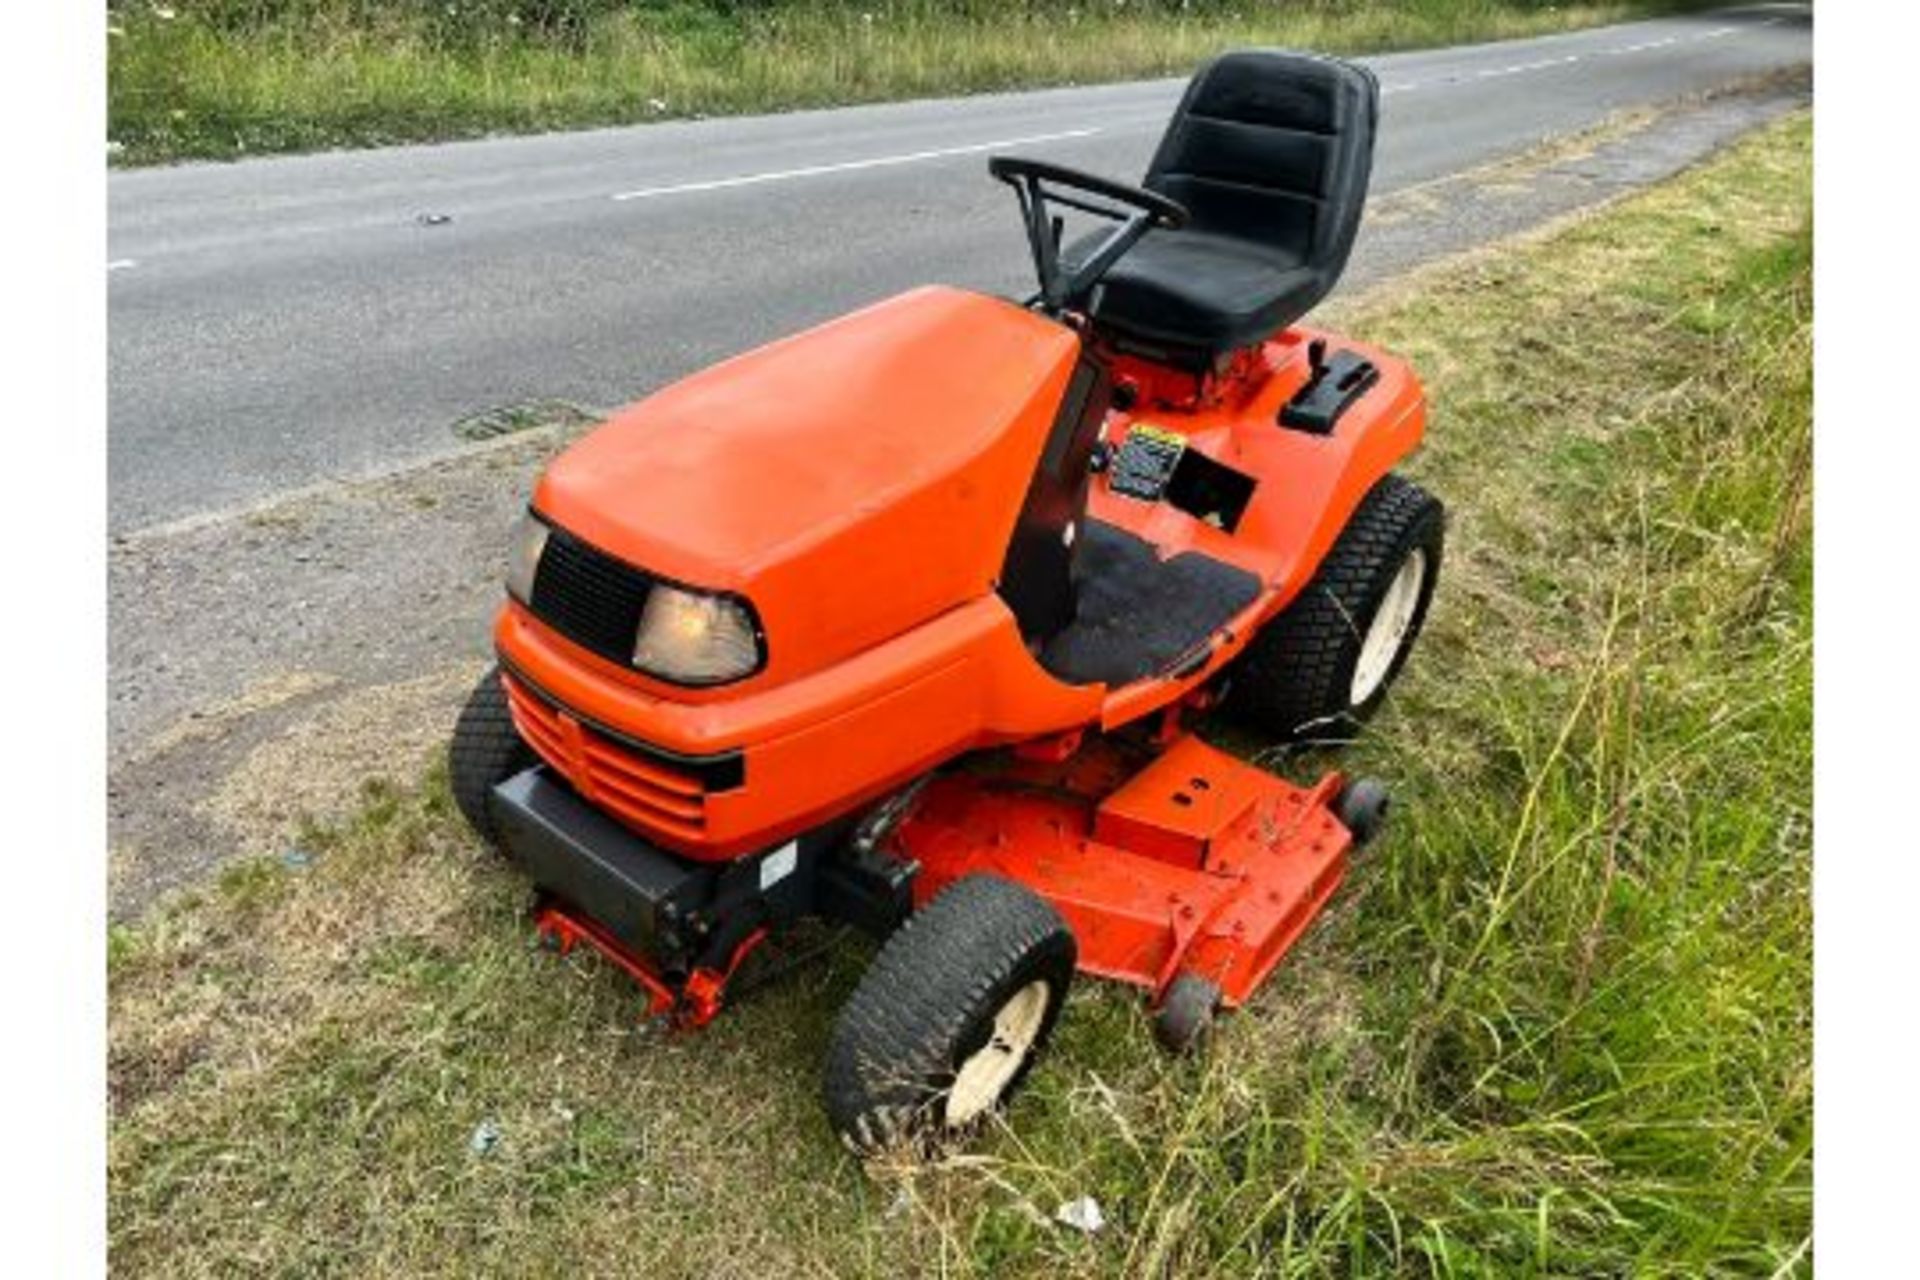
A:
[851,481]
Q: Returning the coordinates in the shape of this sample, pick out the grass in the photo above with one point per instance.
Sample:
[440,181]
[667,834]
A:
[1558,1022]
[224,78]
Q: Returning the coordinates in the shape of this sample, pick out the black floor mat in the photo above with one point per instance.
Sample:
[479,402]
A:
[1135,614]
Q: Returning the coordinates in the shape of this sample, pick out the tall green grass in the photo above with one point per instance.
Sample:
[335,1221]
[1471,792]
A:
[1558,1022]
[1573,1025]
[222,78]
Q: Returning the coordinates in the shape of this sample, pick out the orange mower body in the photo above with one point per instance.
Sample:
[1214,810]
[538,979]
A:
[872,553]
[899,622]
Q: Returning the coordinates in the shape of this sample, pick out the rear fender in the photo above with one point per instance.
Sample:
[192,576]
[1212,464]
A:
[1312,484]
[1309,486]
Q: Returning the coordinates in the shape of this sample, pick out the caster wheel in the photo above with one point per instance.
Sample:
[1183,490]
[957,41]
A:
[1362,807]
[1186,1013]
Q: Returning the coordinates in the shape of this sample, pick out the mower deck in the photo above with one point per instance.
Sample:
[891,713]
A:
[1197,863]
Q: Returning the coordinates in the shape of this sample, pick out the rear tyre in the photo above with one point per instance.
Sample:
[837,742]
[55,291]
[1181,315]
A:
[1184,1020]
[1324,665]
[949,1018]
[486,751]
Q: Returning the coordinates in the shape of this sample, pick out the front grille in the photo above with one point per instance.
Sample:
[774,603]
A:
[644,792]
[589,597]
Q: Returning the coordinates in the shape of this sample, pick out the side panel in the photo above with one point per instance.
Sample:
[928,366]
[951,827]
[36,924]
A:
[1308,488]
[1036,580]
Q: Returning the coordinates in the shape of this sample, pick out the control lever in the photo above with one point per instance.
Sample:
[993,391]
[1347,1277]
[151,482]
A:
[1333,384]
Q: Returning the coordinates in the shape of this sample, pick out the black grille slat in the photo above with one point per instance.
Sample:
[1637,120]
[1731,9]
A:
[589,597]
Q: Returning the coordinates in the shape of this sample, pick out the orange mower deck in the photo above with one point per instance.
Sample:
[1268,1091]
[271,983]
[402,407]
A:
[1187,861]
[1199,863]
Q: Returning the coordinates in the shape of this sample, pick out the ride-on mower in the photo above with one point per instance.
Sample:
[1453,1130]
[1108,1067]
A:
[898,622]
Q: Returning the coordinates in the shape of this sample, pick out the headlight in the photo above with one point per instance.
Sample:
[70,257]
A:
[523,556]
[692,638]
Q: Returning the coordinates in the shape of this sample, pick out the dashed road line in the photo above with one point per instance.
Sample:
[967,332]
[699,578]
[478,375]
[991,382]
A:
[849,166]
[1547,64]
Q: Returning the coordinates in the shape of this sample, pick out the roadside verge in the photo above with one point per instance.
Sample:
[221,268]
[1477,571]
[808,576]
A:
[1558,1022]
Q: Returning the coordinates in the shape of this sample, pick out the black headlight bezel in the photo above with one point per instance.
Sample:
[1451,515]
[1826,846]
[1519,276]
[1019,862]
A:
[596,600]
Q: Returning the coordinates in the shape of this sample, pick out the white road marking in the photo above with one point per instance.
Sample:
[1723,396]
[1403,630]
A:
[120,264]
[1518,68]
[849,166]
[914,157]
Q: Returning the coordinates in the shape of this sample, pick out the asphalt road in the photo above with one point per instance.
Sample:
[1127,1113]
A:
[283,322]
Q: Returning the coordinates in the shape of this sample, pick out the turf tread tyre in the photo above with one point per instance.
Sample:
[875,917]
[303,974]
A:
[925,1003]
[486,750]
[1295,677]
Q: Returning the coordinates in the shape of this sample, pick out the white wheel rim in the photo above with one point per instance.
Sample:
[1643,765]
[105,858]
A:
[984,1076]
[1387,634]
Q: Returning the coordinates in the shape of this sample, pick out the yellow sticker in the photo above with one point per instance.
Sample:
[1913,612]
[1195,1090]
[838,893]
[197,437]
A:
[1160,434]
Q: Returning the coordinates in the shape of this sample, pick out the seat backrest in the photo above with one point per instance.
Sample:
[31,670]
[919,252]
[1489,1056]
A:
[1274,148]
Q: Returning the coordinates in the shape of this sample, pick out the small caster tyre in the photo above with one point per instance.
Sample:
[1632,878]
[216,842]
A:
[485,752]
[1362,807]
[1186,1015]
[949,1018]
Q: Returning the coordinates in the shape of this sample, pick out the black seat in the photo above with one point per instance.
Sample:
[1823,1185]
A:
[1270,151]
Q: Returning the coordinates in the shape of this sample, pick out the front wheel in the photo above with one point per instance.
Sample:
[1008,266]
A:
[486,751]
[1324,665]
[950,1017]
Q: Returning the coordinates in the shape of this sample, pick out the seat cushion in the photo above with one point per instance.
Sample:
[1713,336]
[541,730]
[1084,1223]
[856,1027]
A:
[1199,288]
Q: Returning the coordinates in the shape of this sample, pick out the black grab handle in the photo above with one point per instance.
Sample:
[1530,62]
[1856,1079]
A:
[1036,183]
[1165,212]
